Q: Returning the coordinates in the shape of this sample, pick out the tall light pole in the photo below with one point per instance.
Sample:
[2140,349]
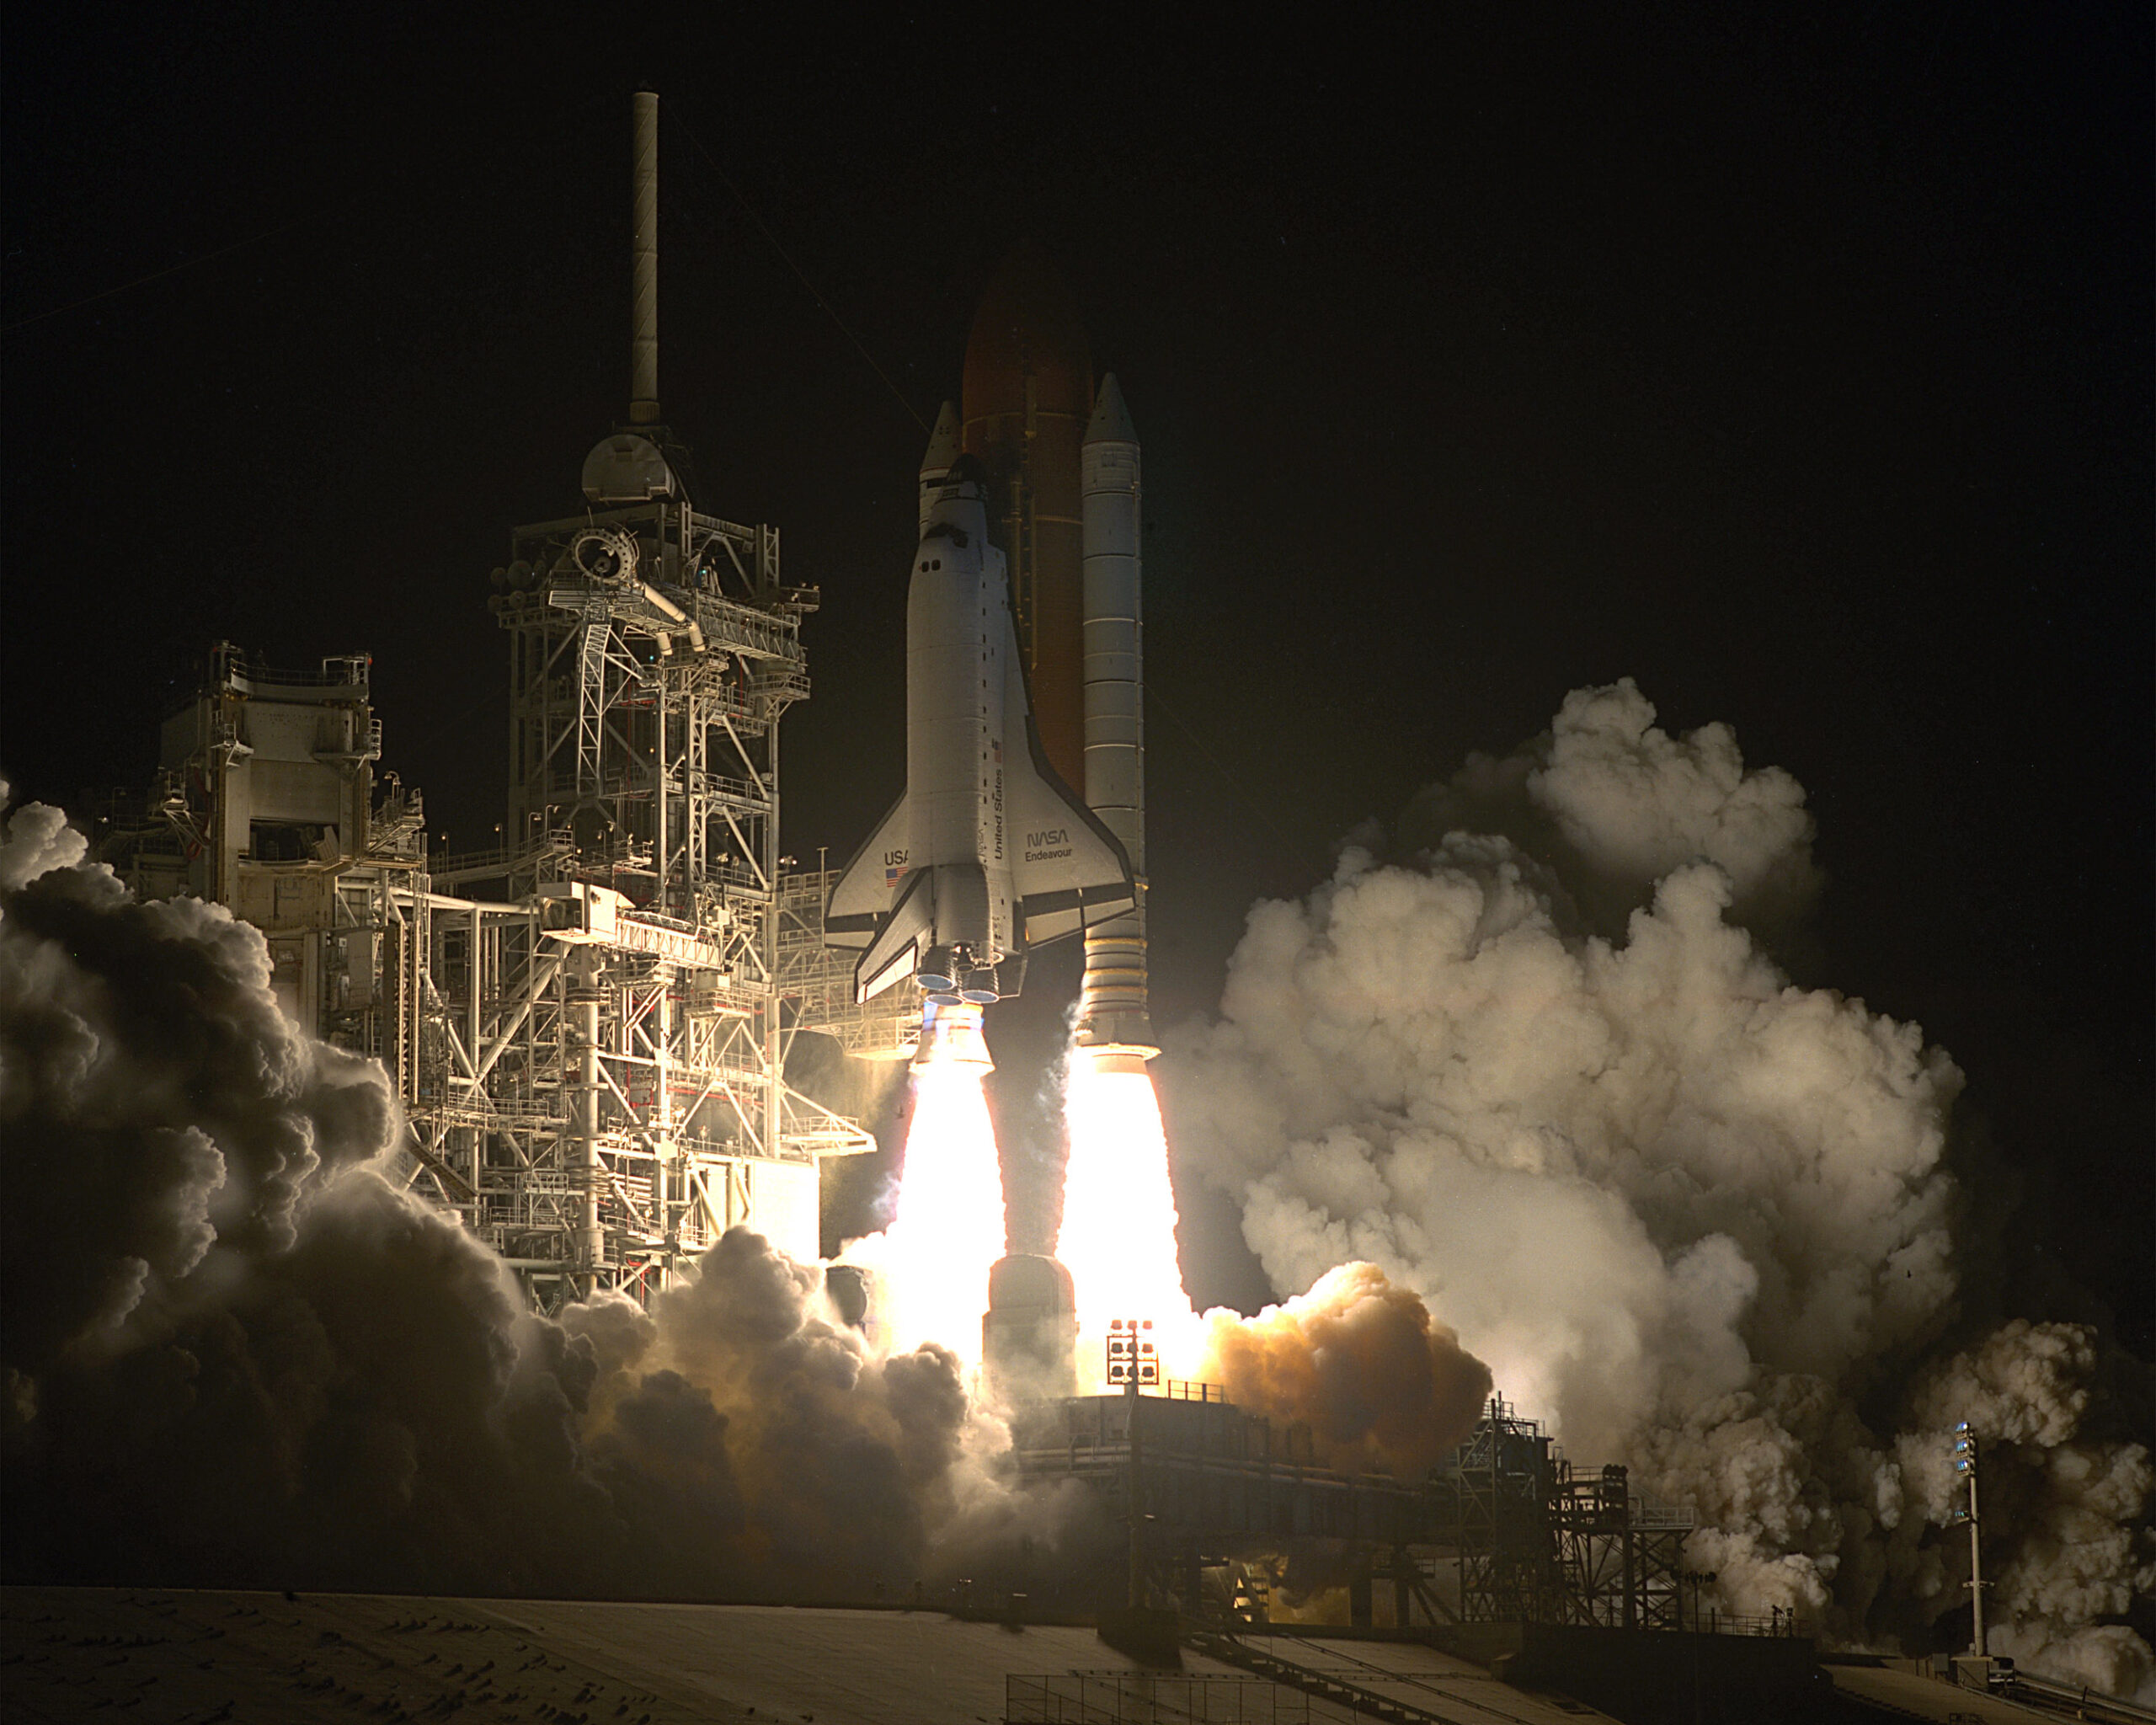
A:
[1699,1578]
[1965,1465]
[1132,1360]
[1696,1579]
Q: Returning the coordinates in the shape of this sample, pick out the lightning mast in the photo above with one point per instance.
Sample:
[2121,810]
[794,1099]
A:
[622,1098]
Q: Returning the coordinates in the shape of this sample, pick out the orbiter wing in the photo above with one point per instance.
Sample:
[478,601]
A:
[895,953]
[881,906]
[862,897]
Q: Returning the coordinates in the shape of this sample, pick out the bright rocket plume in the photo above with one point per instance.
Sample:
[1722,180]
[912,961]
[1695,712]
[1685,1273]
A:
[949,1227]
[1119,1238]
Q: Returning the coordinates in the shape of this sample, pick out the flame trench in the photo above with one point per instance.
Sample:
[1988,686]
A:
[1119,1238]
[949,1225]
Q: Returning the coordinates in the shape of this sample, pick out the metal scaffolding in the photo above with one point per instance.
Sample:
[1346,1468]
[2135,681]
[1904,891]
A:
[815,978]
[1500,1532]
[1537,1543]
[588,1025]
[1618,1559]
[265,801]
[1500,1480]
[608,1094]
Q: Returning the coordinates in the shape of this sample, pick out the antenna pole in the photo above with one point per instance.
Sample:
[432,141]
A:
[643,328]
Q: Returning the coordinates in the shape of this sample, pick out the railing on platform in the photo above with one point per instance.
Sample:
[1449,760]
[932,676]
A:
[1785,1624]
[1141,1698]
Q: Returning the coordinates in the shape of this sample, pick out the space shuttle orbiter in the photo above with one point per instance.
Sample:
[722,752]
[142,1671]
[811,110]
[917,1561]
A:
[987,853]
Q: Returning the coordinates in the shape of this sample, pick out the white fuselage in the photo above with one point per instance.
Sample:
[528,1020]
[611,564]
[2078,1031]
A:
[987,853]
[958,634]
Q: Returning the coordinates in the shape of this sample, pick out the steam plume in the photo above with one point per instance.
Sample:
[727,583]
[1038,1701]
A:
[1698,1217]
[1615,804]
[1359,1360]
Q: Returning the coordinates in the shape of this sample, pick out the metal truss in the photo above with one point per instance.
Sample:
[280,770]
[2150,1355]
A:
[1218,1489]
[1501,1478]
[1537,1545]
[815,978]
[586,1025]
[596,1079]
[1616,1560]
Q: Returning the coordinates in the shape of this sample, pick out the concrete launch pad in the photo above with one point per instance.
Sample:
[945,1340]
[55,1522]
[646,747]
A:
[233,1658]
[216,1657]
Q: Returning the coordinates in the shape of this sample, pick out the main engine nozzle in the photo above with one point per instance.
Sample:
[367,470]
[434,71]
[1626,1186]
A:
[951,976]
[951,1036]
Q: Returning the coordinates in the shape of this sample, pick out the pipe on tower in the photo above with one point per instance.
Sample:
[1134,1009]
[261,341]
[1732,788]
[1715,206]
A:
[583,1107]
[643,263]
[1112,1016]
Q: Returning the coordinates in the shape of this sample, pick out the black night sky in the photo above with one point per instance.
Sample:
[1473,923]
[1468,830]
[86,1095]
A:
[1800,370]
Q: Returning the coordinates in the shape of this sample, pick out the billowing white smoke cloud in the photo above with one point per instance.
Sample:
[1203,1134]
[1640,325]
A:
[1690,1213]
[1616,804]
[1590,1158]
[234,1353]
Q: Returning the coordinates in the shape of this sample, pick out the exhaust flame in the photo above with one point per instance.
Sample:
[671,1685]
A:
[934,1259]
[1119,1238]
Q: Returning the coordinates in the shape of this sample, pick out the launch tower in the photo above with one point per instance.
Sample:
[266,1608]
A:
[654,650]
[625,1063]
[588,1024]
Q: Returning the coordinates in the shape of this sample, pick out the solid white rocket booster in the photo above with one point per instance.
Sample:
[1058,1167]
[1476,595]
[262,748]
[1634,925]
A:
[1112,1018]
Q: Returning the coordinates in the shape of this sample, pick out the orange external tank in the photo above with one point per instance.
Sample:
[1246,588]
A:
[1027,395]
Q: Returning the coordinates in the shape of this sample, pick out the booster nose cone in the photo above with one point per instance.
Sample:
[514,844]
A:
[1111,420]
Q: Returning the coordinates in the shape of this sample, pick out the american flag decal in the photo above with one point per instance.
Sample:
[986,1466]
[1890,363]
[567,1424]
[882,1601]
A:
[892,871]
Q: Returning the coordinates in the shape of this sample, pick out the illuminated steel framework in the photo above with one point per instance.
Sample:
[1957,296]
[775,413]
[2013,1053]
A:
[815,978]
[266,801]
[1500,1532]
[587,1026]
[603,1089]
[1536,1544]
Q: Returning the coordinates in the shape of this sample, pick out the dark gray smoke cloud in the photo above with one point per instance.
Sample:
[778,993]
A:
[1701,1219]
[154,1101]
[235,1353]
